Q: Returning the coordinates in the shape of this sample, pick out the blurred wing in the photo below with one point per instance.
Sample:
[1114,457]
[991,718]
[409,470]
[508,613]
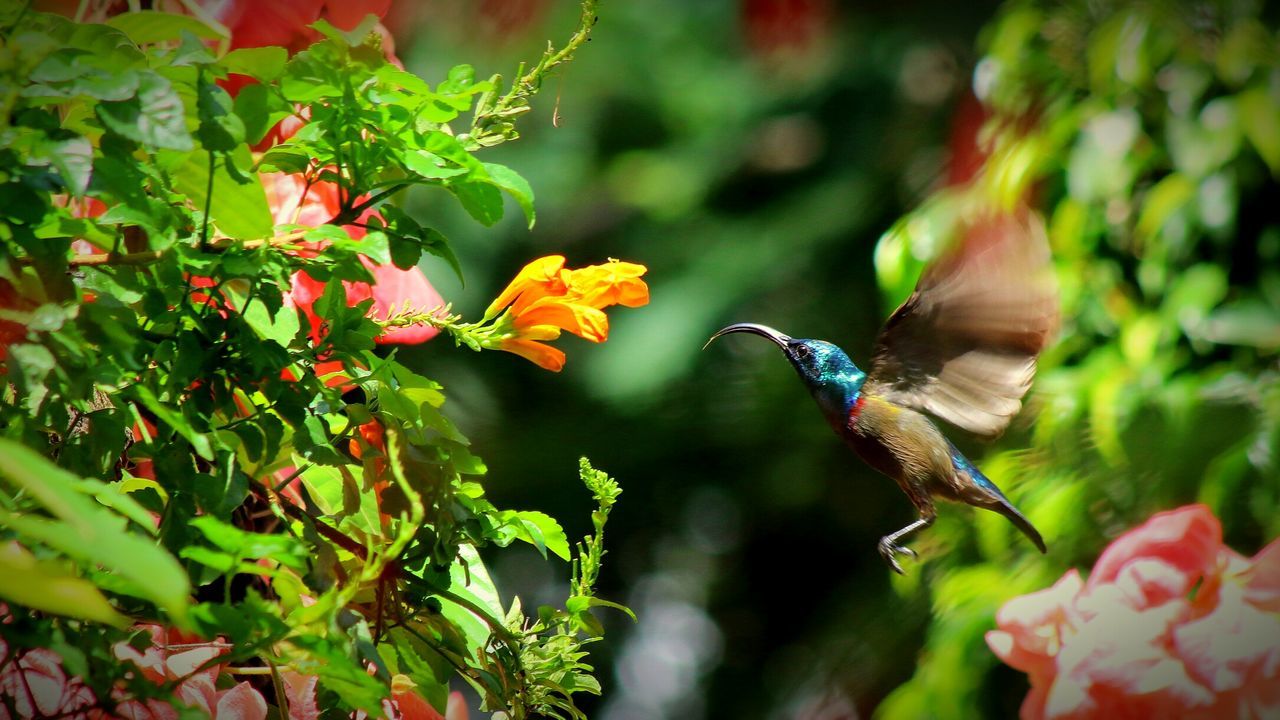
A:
[964,345]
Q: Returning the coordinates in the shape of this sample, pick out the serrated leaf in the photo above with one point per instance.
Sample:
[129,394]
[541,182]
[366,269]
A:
[542,531]
[259,109]
[338,671]
[115,496]
[244,545]
[430,166]
[281,326]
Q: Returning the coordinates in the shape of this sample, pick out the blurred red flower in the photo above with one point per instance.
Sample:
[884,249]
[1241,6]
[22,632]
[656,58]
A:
[1171,623]
[779,27]
[284,23]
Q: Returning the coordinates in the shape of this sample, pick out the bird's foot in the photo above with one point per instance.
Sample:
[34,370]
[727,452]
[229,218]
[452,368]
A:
[890,549]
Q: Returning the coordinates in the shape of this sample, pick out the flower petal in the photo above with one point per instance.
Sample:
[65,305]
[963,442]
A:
[611,283]
[1262,582]
[535,280]
[1232,644]
[1189,539]
[241,702]
[1036,624]
[394,289]
[539,354]
[581,320]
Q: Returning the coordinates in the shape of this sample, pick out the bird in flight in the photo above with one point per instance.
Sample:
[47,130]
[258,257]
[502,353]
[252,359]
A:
[962,348]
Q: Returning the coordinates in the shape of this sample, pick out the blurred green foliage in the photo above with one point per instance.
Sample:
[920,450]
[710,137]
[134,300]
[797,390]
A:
[755,187]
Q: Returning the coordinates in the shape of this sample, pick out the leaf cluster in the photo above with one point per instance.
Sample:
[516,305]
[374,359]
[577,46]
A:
[179,440]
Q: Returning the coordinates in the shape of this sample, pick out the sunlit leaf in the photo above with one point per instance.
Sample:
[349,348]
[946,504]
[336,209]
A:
[89,532]
[44,587]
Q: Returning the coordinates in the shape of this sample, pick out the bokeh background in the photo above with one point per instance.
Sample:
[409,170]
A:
[786,162]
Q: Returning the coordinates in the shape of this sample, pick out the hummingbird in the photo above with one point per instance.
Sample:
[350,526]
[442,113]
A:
[962,348]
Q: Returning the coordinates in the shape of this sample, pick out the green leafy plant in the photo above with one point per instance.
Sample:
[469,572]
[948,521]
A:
[202,447]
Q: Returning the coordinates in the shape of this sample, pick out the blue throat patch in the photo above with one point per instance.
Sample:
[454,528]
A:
[831,377]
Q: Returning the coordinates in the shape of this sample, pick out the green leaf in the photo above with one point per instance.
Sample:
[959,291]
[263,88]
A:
[1166,197]
[71,157]
[243,545]
[115,496]
[338,671]
[430,166]
[580,604]
[150,26]
[540,530]
[89,532]
[175,420]
[263,63]
[515,185]
[191,51]
[428,669]
[48,588]
[220,129]
[1261,122]
[259,109]
[480,591]
[239,210]
[481,200]
[155,117]
[281,326]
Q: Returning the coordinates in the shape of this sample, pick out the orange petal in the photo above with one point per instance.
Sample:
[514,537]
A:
[540,354]
[611,283]
[539,332]
[535,280]
[582,320]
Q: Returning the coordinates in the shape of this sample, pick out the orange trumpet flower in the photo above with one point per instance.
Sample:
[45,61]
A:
[546,298]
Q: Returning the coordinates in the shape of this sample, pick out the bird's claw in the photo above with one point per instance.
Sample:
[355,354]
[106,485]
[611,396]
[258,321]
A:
[889,549]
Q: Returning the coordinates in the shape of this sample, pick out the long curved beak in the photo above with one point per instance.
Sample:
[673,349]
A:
[762,330]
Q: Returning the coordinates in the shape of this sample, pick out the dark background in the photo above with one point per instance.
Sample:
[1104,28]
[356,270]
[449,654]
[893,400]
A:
[751,154]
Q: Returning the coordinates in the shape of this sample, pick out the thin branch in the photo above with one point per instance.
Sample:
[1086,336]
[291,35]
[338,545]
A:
[330,533]
[526,85]
[146,257]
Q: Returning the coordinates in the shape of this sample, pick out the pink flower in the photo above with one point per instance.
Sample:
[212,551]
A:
[1171,623]
[292,200]
[37,685]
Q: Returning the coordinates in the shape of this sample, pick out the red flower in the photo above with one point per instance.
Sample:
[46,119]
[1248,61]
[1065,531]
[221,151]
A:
[1171,623]
[285,23]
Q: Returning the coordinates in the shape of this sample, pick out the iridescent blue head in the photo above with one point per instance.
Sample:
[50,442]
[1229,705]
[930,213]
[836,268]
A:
[827,371]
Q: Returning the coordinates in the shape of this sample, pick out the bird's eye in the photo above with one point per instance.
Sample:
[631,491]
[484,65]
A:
[802,351]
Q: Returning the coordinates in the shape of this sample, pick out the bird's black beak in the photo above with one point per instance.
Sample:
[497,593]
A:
[781,340]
